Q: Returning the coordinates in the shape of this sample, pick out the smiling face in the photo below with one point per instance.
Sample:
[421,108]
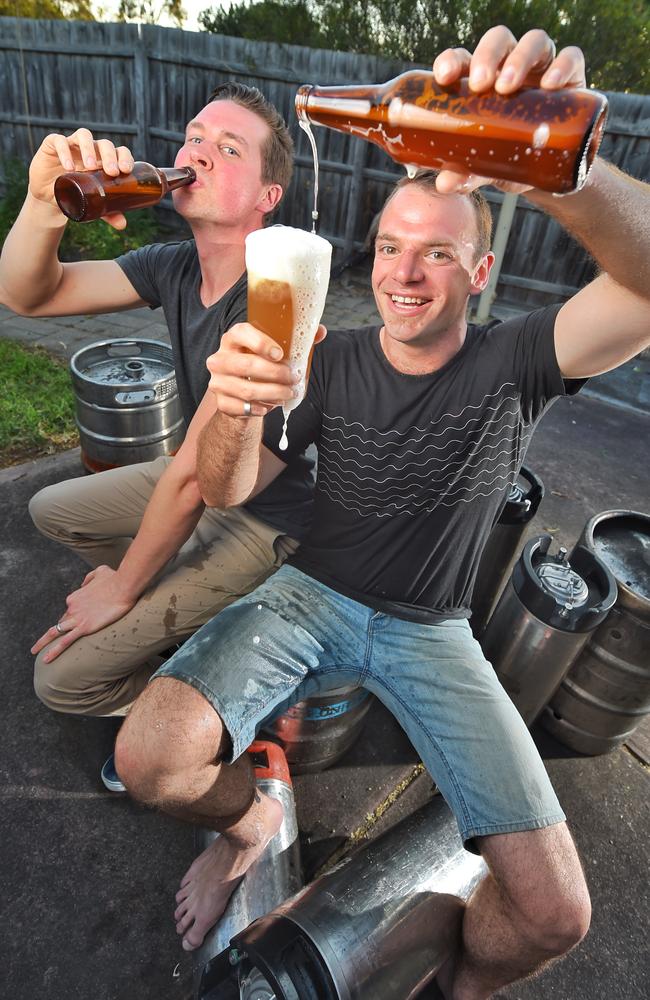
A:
[425,269]
[224,145]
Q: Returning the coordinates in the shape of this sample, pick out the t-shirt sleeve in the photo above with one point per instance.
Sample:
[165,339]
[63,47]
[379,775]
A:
[145,268]
[530,342]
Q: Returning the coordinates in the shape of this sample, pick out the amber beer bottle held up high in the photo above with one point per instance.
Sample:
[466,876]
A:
[547,139]
[86,195]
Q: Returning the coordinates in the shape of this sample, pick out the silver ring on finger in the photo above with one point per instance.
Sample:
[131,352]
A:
[248,409]
[60,630]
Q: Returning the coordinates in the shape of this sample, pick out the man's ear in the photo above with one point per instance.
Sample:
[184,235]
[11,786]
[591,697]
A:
[482,273]
[270,198]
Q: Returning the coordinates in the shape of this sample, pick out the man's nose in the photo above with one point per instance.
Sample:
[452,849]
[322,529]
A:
[408,267]
[199,156]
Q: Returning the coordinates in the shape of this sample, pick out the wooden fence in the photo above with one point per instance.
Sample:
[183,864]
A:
[140,84]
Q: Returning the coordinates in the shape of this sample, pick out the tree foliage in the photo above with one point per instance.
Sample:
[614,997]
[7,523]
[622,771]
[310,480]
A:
[48,10]
[615,37]
[150,12]
[290,21]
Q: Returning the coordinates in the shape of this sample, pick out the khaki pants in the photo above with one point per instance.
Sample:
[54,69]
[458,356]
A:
[228,555]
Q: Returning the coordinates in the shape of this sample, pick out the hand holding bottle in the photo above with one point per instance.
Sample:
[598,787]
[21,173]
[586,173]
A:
[502,63]
[60,154]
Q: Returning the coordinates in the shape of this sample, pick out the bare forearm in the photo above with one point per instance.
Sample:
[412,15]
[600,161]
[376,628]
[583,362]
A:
[30,270]
[610,217]
[228,459]
[170,518]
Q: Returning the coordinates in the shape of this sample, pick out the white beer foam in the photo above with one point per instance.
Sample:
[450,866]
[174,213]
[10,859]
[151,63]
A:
[302,260]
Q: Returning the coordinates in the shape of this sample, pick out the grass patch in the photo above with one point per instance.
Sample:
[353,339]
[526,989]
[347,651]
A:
[36,404]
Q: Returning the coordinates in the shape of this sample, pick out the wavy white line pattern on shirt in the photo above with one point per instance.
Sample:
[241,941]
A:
[326,446]
[425,433]
[416,487]
[443,416]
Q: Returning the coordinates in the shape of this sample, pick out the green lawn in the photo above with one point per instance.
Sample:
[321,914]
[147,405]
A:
[36,404]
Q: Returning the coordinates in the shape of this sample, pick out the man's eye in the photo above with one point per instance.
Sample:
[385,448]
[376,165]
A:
[193,138]
[230,150]
[387,251]
[439,255]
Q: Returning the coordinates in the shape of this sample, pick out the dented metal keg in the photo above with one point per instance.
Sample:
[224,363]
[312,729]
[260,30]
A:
[127,404]
[315,733]
[379,925]
[503,546]
[544,617]
[275,875]
[606,693]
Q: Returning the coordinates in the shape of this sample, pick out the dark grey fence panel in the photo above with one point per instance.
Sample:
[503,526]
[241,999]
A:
[140,84]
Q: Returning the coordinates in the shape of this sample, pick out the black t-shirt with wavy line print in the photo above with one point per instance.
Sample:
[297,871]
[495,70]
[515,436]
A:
[413,470]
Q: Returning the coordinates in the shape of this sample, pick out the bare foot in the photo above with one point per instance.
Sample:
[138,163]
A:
[215,874]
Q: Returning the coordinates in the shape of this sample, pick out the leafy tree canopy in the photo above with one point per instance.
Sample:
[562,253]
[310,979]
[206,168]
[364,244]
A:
[48,10]
[615,37]
[150,12]
[290,21]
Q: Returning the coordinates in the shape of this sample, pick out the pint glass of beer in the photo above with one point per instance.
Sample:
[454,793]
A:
[288,277]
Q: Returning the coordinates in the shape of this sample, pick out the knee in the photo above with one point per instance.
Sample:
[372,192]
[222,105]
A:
[165,739]
[51,684]
[559,918]
[40,509]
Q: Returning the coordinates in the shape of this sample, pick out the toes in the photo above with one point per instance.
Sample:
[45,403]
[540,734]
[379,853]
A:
[192,940]
[182,893]
[180,911]
[184,923]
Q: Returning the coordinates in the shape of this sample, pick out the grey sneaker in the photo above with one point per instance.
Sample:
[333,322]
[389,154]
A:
[110,777]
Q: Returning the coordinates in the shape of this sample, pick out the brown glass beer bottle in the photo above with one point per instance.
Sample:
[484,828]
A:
[86,195]
[547,139]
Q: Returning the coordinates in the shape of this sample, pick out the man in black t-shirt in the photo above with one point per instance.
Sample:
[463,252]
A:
[161,564]
[421,426]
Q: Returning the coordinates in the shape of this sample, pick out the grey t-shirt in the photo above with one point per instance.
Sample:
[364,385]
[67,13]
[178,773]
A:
[169,275]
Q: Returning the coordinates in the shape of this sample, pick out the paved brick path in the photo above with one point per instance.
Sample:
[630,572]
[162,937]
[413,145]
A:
[349,304]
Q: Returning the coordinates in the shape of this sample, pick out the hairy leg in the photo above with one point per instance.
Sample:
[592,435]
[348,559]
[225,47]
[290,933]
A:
[168,754]
[532,908]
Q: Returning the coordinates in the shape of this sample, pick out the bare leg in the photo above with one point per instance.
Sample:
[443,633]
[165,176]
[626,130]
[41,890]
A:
[532,908]
[168,754]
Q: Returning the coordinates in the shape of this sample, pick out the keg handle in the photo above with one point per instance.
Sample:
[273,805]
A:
[122,348]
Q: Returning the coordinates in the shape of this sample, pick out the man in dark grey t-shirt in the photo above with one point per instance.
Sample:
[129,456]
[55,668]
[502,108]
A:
[162,564]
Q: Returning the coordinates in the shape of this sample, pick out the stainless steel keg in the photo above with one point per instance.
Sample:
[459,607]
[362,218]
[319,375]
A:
[544,618]
[503,546]
[127,404]
[275,876]
[315,733]
[379,925]
[606,693]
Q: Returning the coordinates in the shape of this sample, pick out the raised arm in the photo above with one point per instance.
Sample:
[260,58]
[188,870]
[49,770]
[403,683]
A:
[607,322]
[33,282]
[248,379]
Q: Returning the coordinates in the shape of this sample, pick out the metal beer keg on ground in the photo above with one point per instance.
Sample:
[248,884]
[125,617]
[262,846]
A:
[275,876]
[503,545]
[379,925]
[316,732]
[127,404]
[544,618]
[606,693]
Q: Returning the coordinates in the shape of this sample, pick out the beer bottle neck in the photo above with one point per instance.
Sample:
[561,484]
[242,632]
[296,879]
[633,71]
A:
[176,177]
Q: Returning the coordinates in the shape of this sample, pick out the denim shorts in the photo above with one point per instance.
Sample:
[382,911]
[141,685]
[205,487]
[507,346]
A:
[294,638]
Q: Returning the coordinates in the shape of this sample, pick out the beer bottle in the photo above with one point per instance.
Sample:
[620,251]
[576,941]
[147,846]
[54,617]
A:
[86,195]
[547,139]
